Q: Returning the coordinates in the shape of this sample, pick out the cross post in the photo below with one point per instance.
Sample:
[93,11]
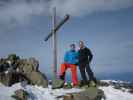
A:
[53,34]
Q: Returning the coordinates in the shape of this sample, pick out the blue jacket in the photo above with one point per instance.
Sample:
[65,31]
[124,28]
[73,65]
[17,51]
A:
[71,57]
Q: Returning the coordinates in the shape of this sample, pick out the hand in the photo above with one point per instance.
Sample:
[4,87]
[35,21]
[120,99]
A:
[77,64]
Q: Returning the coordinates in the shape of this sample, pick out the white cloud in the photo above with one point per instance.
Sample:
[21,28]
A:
[83,7]
[24,9]
[21,11]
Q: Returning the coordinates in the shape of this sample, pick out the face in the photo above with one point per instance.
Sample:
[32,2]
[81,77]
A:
[81,44]
[72,47]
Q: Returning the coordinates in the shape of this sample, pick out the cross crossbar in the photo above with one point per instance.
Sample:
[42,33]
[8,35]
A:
[57,27]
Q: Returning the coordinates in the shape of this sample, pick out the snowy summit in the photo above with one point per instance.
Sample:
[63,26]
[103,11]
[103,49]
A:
[40,93]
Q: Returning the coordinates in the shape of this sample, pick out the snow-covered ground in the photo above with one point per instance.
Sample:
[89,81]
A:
[115,94]
[39,93]
[36,93]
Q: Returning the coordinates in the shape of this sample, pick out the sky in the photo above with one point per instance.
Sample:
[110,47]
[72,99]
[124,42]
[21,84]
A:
[106,26]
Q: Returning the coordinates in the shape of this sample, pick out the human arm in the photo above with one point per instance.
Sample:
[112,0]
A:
[89,53]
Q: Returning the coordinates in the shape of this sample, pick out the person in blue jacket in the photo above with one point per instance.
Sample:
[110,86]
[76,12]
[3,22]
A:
[70,61]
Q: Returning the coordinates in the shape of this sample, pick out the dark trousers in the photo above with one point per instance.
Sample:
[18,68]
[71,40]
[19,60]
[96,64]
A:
[86,68]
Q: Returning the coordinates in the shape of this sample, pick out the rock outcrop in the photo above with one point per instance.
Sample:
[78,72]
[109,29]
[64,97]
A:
[14,69]
[57,83]
[90,93]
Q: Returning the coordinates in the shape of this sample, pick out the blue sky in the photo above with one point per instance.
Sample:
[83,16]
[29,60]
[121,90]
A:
[106,27]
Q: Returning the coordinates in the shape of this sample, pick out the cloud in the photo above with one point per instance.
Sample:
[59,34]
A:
[21,11]
[12,10]
[84,7]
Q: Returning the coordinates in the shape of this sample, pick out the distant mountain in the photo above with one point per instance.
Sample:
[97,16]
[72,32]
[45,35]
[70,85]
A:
[116,76]
[117,90]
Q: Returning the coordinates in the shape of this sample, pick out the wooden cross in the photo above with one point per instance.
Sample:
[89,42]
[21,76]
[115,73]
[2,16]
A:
[54,35]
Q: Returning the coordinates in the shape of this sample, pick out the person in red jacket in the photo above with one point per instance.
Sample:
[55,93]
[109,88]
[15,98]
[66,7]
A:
[70,61]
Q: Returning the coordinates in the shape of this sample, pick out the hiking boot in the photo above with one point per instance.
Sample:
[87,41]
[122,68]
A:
[95,80]
[67,85]
[83,83]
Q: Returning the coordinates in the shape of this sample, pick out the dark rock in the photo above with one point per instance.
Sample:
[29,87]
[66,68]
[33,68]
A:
[117,86]
[100,95]
[6,79]
[68,97]
[130,91]
[26,66]
[57,83]
[34,62]
[102,83]
[88,94]
[80,96]
[21,95]
[37,78]
[12,77]
[13,69]
[3,65]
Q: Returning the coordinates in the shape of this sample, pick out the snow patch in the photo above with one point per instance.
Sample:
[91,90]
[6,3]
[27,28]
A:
[115,94]
[40,93]
[36,92]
